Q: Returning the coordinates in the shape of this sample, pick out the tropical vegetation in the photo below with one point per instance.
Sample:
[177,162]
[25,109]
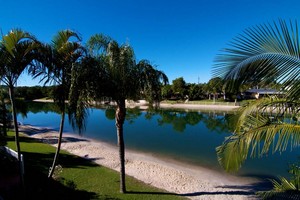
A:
[65,65]
[264,53]
[18,50]
[120,78]
[57,61]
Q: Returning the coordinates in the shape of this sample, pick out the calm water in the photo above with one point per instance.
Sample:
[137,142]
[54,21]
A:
[190,137]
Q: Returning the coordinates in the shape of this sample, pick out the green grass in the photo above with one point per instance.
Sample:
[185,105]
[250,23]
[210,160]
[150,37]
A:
[79,178]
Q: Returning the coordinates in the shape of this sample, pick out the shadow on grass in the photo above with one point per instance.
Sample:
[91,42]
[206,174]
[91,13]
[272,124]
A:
[37,161]
[38,186]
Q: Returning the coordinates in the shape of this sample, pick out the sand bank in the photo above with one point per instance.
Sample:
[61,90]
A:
[191,181]
[188,106]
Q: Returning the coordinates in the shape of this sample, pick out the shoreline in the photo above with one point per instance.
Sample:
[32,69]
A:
[189,106]
[194,182]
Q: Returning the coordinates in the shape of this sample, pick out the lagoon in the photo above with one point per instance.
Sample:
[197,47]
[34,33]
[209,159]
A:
[189,137]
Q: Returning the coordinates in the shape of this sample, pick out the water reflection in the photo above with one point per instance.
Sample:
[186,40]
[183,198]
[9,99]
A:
[179,119]
[219,122]
[190,137]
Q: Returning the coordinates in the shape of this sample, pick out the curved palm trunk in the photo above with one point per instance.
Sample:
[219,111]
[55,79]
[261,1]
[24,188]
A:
[120,118]
[15,122]
[61,128]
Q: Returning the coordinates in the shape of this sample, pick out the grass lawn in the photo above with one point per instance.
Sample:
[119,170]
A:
[78,179]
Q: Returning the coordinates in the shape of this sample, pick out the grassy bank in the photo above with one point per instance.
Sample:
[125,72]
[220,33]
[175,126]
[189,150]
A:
[77,178]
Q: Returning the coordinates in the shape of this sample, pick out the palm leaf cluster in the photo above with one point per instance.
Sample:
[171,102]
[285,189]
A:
[284,188]
[18,50]
[127,78]
[262,54]
[265,125]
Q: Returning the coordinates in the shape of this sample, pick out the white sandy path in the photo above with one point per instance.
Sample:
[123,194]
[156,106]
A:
[191,181]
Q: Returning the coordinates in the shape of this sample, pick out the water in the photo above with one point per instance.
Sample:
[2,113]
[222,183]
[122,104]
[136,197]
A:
[189,137]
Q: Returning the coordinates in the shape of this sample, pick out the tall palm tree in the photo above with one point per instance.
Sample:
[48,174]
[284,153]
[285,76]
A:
[18,49]
[58,59]
[126,79]
[263,53]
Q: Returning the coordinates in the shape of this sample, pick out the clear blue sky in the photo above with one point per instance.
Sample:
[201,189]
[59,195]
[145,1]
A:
[180,37]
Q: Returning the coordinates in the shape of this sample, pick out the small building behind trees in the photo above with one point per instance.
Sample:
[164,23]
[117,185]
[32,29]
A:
[259,93]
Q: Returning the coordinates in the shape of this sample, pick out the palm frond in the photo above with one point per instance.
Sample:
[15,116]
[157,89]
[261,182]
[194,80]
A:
[284,188]
[98,44]
[63,38]
[263,52]
[257,142]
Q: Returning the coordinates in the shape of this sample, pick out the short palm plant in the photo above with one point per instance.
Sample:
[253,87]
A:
[269,52]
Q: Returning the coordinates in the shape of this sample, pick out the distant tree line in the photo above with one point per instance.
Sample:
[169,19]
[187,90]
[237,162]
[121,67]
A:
[34,92]
[214,89]
[178,90]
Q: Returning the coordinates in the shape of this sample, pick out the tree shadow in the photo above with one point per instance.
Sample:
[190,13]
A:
[247,190]
[30,130]
[2,141]
[38,186]
[151,193]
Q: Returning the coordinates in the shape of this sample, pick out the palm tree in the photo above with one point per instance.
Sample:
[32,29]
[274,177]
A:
[58,59]
[125,79]
[18,49]
[265,52]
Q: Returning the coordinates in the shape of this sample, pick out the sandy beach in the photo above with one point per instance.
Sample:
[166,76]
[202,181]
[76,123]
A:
[142,104]
[193,182]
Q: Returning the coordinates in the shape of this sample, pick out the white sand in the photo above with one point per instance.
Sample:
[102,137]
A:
[188,106]
[191,181]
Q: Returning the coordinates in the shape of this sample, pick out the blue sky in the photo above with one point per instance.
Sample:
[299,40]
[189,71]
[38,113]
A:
[180,37]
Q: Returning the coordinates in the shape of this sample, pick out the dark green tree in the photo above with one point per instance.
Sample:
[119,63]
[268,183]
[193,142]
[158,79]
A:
[196,91]
[179,87]
[215,86]
[166,91]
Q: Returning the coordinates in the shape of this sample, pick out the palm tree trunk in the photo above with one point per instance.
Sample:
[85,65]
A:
[120,118]
[4,117]
[15,122]
[61,128]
